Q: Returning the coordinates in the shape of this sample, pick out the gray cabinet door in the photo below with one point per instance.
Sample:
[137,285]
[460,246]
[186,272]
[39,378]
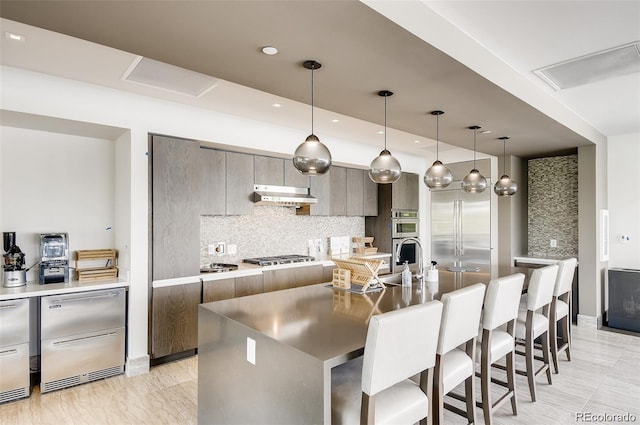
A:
[239,183]
[293,177]
[308,275]
[404,194]
[370,206]
[175,319]
[175,208]
[338,185]
[249,285]
[217,290]
[327,273]
[355,192]
[276,280]
[269,171]
[321,189]
[212,165]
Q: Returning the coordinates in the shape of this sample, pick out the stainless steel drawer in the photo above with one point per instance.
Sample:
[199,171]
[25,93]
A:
[14,322]
[14,372]
[80,355]
[63,315]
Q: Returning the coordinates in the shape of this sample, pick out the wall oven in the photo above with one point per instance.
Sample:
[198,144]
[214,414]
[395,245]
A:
[408,253]
[404,224]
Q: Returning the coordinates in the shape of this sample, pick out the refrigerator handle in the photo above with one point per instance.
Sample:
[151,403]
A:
[456,235]
[460,229]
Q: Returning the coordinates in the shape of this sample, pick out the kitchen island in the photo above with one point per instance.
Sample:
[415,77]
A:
[267,358]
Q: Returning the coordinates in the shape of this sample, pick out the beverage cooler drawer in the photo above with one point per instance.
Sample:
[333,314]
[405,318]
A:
[82,312]
[14,372]
[14,322]
[77,359]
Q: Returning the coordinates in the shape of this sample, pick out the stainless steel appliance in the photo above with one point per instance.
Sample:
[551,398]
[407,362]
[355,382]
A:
[14,272]
[461,229]
[15,381]
[54,258]
[82,337]
[218,268]
[624,299]
[280,259]
[405,224]
[282,195]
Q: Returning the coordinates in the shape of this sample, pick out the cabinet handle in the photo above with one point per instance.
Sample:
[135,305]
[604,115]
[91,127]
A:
[90,297]
[7,352]
[71,341]
[8,306]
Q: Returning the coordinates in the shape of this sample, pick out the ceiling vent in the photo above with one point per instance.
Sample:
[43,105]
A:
[161,75]
[591,68]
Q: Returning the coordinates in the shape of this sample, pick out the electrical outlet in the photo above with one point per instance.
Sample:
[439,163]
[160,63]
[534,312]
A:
[212,249]
[232,249]
[553,243]
[625,238]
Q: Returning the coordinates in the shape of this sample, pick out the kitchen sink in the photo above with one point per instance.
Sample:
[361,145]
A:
[218,268]
[395,279]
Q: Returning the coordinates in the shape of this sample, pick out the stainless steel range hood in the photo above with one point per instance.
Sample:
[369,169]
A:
[286,196]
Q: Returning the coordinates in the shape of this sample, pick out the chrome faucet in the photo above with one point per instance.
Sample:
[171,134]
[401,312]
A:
[420,274]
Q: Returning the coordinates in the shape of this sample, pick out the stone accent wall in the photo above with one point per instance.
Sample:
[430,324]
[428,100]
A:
[271,230]
[553,206]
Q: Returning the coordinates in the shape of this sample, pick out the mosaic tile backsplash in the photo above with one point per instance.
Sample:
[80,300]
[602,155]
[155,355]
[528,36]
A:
[271,230]
[553,206]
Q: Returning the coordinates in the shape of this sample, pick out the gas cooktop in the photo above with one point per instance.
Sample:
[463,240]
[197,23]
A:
[279,259]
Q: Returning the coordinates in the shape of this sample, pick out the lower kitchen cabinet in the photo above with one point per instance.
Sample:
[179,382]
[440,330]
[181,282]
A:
[327,273]
[175,319]
[276,280]
[308,275]
[82,337]
[14,350]
[249,285]
[218,290]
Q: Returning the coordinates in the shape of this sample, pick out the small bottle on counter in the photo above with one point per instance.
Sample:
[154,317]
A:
[406,275]
[432,273]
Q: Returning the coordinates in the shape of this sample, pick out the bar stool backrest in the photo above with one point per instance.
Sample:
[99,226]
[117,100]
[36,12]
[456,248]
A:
[502,300]
[400,344]
[541,285]
[460,316]
[565,276]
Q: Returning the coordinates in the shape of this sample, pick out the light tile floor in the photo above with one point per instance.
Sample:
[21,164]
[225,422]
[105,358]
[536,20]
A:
[602,378]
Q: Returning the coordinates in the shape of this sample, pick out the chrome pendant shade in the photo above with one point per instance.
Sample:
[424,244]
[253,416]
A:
[474,182]
[385,168]
[312,157]
[505,186]
[437,176]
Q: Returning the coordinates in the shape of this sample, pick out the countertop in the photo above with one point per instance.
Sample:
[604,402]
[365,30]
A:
[245,269]
[541,259]
[34,289]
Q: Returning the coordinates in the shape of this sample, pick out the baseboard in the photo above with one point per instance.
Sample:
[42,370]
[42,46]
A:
[137,366]
[589,321]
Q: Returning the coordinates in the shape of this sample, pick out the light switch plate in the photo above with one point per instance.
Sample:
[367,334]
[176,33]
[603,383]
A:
[553,243]
[232,249]
[251,350]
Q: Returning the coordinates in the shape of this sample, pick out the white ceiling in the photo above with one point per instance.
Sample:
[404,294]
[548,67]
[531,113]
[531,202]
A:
[361,53]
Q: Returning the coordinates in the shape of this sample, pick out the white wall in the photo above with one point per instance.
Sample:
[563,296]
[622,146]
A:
[55,182]
[623,161]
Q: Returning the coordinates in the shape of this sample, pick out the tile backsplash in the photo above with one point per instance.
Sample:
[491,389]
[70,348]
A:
[553,206]
[271,230]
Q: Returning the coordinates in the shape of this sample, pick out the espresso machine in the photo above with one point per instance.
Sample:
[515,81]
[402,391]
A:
[54,258]
[14,272]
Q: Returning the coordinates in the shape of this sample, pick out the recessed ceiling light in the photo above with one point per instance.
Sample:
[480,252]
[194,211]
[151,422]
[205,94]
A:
[416,141]
[335,120]
[380,132]
[269,50]
[485,131]
[15,37]
[277,105]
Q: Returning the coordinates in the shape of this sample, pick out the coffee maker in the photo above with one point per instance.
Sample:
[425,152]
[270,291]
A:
[54,258]
[14,271]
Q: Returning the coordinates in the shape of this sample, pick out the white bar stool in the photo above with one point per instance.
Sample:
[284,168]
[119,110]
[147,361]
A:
[560,311]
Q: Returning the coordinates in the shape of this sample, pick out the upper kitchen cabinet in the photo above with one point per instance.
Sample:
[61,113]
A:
[355,192]
[175,207]
[213,174]
[321,189]
[370,196]
[293,177]
[338,191]
[239,183]
[269,171]
[404,192]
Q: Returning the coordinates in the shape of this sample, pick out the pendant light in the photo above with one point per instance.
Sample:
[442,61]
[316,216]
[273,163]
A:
[312,157]
[505,186]
[474,182]
[437,176]
[385,168]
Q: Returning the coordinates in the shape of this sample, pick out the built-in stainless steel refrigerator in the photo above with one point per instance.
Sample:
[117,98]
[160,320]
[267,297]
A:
[461,229]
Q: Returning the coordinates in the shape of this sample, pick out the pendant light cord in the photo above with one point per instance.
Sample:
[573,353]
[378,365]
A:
[312,68]
[474,148]
[437,137]
[504,156]
[385,122]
